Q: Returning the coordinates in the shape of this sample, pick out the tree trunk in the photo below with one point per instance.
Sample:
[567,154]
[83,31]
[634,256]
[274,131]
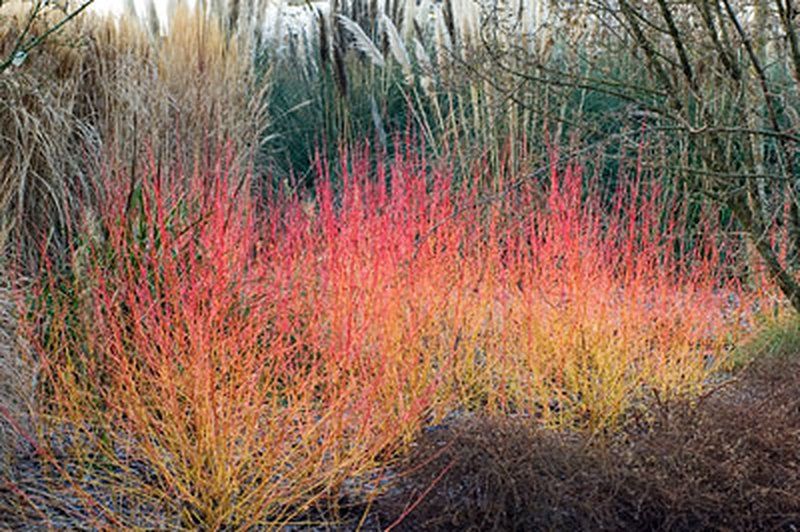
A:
[757,233]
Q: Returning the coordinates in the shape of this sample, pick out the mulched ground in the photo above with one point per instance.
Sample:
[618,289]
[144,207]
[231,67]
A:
[727,461]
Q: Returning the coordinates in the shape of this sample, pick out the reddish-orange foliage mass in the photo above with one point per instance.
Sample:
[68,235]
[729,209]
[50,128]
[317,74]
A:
[254,352]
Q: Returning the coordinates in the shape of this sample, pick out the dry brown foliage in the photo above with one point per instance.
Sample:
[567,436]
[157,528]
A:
[729,461]
[98,86]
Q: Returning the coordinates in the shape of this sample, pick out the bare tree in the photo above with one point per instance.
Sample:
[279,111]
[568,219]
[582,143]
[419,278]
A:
[721,77]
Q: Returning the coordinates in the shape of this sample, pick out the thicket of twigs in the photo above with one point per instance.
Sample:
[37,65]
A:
[399,264]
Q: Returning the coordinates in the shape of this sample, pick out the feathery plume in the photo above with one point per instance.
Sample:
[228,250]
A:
[362,42]
[397,47]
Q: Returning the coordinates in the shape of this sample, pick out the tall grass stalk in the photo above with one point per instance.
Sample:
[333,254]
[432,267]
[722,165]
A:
[360,68]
